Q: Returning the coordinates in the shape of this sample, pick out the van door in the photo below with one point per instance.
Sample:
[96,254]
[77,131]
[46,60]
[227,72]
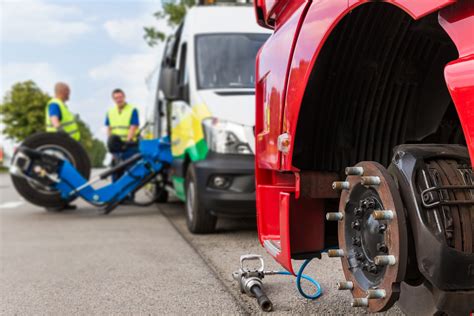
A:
[181,123]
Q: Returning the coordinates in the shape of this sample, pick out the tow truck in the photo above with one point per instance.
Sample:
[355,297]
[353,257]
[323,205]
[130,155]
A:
[364,146]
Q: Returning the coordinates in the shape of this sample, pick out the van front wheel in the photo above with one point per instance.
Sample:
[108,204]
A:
[199,220]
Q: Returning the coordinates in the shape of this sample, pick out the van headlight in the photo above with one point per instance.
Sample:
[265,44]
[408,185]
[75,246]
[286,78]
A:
[226,137]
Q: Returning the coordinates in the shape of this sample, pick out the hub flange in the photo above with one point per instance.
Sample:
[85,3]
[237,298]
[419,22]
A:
[372,234]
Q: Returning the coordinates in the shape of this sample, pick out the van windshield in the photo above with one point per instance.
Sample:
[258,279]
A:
[227,61]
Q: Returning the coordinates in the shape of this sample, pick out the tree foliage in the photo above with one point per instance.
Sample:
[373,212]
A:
[23,114]
[173,13]
[23,110]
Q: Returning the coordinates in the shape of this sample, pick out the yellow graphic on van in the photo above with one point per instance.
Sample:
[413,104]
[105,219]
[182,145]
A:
[188,136]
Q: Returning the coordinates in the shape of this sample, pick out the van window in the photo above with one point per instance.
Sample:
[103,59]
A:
[183,71]
[227,61]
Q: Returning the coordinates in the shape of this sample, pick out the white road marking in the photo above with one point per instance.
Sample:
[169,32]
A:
[13,204]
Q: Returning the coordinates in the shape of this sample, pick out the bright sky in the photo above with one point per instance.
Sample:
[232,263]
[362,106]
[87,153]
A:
[95,46]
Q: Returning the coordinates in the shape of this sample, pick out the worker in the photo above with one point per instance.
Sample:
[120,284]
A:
[60,119]
[58,116]
[122,124]
[122,119]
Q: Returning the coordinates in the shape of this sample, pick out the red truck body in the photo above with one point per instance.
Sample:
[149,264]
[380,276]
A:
[301,146]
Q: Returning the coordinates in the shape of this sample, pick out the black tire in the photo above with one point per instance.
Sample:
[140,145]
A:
[162,196]
[71,149]
[198,219]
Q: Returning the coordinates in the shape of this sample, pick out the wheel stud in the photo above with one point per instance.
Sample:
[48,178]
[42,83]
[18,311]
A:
[370,180]
[382,228]
[388,260]
[356,225]
[382,247]
[356,241]
[376,294]
[360,302]
[354,171]
[341,185]
[335,253]
[345,285]
[334,216]
[383,215]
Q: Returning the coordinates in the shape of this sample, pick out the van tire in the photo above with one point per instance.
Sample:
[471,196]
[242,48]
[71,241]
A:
[52,201]
[198,219]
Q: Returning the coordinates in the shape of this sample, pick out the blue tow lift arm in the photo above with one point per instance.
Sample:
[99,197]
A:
[154,155]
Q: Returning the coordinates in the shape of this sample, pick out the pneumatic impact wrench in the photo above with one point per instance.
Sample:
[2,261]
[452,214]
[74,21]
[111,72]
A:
[250,281]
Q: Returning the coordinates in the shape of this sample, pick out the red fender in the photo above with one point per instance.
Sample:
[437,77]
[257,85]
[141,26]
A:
[458,21]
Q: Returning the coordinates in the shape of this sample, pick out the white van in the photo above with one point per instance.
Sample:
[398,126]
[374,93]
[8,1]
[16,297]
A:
[206,104]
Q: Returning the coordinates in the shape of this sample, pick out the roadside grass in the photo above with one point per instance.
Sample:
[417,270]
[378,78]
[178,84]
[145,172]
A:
[3,169]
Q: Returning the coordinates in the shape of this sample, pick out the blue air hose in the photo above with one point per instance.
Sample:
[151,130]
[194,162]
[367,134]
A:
[300,276]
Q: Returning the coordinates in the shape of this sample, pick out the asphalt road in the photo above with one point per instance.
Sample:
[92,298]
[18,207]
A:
[138,261]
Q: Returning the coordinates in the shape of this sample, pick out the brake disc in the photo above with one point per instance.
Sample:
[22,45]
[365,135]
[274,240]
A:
[456,222]
[372,236]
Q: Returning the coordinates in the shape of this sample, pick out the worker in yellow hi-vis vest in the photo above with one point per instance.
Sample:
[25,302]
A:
[122,123]
[122,119]
[58,117]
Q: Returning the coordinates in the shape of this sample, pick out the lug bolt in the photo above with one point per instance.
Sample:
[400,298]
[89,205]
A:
[335,253]
[355,225]
[354,171]
[382,247]
[356,241]
[383,215]
[388,260]
[372,269]
[345,285]
[341,185]
[358,211]
[370,203]
[382,228]
[334,216]
[376,294]
[360,302]
[370,180]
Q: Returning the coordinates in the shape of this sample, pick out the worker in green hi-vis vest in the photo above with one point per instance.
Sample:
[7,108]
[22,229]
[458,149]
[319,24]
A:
[58,117]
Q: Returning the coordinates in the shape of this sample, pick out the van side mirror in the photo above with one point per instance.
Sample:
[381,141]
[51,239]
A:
[168,83]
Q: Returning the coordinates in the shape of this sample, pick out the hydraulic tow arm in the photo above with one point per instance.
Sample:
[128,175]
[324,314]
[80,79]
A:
[55,174]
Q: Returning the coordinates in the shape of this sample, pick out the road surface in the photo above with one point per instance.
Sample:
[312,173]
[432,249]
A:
[138,261]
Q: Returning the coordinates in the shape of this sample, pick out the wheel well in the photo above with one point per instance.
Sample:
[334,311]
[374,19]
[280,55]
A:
[378,82]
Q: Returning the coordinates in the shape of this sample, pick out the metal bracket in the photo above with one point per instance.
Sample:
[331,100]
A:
[428,199]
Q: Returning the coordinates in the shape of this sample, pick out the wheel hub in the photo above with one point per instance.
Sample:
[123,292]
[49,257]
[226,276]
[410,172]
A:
[372,236]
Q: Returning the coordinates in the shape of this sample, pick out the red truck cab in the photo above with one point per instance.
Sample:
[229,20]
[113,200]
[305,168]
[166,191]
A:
[340,82]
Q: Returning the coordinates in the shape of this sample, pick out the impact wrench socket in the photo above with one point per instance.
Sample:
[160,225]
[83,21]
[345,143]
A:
[263,301]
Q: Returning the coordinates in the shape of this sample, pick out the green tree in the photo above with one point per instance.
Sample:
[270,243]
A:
[23,110]
[94,147]
[173,13]
[23,114]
